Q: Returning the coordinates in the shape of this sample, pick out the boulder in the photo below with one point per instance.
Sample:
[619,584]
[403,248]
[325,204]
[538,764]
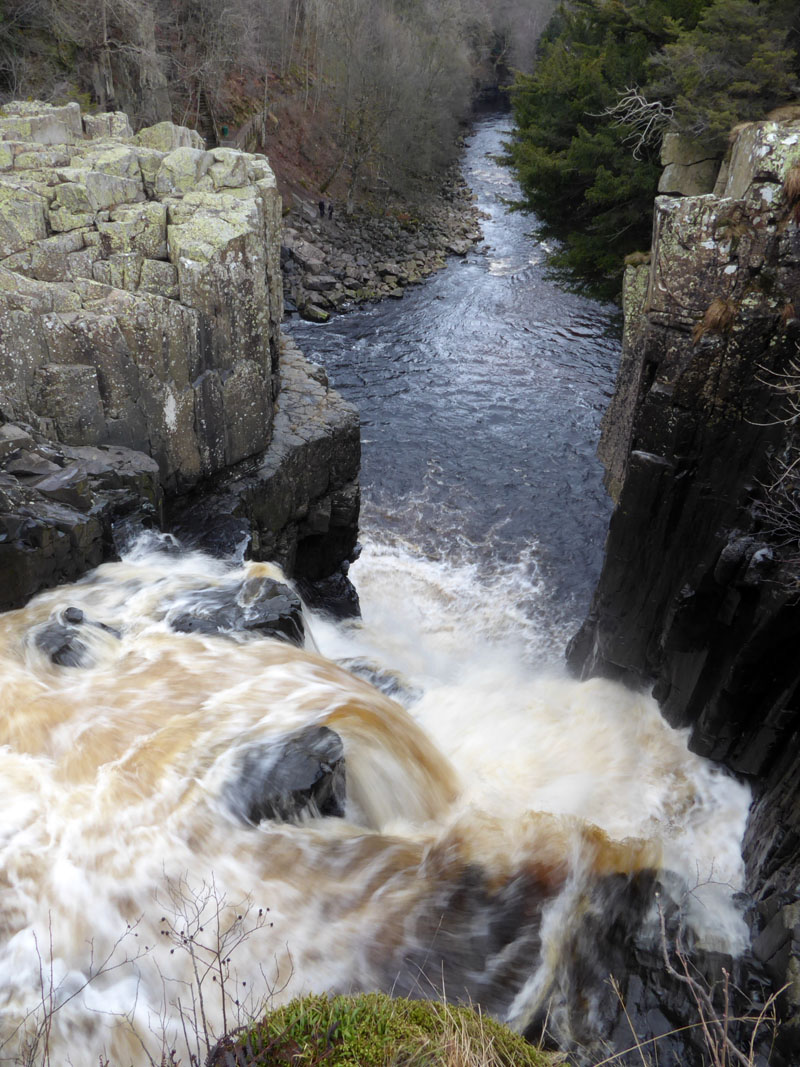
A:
[320,282]
[41,123]
[63,639]
[166,137]
[258,605]
[113,125]
[313,313]
[300,774]
[23,218]
[181,171]
[57,522]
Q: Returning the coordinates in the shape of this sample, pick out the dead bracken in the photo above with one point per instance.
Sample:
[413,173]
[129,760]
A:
[718,318]
[791,189]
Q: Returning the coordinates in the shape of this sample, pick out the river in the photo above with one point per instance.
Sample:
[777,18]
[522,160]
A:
[493,804]
[480,397]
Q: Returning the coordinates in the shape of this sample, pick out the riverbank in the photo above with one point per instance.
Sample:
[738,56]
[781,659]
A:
[333,261]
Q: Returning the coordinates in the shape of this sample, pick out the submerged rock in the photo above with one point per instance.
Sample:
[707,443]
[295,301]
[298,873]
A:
[62,645]
[64,642]
[301,773]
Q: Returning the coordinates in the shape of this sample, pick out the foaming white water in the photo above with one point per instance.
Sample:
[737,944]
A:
[525,737]
[118,843]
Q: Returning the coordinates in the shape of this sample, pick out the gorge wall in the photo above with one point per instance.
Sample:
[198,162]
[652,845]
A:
[698,595]
[141,359]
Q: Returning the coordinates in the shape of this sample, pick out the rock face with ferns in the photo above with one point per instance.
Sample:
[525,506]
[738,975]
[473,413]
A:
[698,593]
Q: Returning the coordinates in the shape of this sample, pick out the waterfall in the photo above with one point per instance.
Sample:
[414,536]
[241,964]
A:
[487,797]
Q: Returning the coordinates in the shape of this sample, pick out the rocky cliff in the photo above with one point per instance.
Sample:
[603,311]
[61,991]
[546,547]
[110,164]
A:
[140,350]
[698,595]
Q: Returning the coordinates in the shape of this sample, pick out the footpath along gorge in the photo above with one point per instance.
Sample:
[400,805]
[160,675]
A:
[420,800]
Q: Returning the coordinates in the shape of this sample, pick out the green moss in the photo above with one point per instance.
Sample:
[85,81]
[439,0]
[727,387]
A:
[375,1030]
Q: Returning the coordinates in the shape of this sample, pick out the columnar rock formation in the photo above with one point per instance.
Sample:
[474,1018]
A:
[699,589]
[140,309]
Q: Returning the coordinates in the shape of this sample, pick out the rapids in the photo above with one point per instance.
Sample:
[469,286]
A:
[497,794]
[489,797]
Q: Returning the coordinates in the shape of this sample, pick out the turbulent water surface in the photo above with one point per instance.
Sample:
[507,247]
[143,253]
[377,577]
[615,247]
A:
[489,798]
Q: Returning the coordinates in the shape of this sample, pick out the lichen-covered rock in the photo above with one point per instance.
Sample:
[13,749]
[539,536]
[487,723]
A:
[689,168]
[24,120]
[181,170]
[140,306]
[23,218]
[136,229]
[166,136]
[189,378]
[113,124]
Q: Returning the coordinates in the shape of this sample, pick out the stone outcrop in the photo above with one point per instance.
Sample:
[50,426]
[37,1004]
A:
[256,606]
[140,310]
[690,169]
[699,590]
[140,295]
[299,501]
[299,774]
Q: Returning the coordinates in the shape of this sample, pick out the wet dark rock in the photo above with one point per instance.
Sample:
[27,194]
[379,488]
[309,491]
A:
[58,508]
[62,645]
[258,605]
[389,682]
[61,639]
[611,988]
[300,499]
[335,595]
[698,595]
[472,940]
[302,773]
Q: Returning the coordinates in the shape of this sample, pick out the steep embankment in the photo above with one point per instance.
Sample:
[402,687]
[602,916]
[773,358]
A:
[699,589]
[140,310]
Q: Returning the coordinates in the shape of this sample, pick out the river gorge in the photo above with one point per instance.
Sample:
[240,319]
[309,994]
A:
[502,825]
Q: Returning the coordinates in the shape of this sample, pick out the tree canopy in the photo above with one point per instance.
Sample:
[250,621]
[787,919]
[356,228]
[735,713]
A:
[394,78]
[584,165]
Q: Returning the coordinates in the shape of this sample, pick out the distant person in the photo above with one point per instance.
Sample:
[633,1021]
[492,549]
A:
[330,211]
[322,209]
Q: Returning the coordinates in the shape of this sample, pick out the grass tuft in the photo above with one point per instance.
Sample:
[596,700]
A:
[376,1030]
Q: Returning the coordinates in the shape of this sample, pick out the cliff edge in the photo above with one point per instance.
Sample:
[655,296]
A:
[140,348]
[698,595]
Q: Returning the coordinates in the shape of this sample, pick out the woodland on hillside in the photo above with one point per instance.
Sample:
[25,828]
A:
[389,80]
[610,78]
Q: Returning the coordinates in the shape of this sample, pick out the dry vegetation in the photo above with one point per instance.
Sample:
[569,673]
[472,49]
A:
[382,84]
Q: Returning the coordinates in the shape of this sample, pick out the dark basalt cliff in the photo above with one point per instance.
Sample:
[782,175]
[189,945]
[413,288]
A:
[142,365]
[699,593]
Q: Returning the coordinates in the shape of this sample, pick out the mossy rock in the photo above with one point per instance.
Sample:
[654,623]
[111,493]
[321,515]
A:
[376,1030]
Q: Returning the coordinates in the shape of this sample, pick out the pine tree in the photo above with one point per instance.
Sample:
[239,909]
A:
[712,62]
